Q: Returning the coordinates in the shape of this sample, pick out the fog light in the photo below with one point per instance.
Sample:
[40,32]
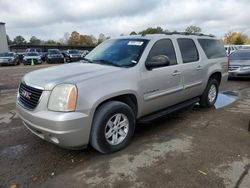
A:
[54,139]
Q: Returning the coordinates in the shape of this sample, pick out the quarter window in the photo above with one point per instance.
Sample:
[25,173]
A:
[163,47]
[213,48]
[188,50]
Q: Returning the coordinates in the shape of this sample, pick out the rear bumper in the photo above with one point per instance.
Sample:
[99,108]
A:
[68,130]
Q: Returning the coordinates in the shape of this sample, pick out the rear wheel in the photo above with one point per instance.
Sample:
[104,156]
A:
[210,94]
[113,127]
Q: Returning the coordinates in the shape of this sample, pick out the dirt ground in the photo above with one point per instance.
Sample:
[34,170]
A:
[192,148]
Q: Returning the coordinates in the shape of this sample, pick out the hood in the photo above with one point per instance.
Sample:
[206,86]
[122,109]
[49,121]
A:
[68,73]
[31,57]
[239,63]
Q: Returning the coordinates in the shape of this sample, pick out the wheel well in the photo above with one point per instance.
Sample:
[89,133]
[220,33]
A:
[217,76]
[128,99]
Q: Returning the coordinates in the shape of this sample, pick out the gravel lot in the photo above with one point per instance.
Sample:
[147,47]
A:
[193,148]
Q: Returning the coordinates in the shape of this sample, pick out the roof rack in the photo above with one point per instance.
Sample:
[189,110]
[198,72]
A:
[185,33]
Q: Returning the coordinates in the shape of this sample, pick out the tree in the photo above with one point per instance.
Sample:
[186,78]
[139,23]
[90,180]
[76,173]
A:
[151,30]
[74,38]
[51,42]
[133,33]
[34,40]
[9,41]
[19,40]
[235,38]
[193,29]
[101,38]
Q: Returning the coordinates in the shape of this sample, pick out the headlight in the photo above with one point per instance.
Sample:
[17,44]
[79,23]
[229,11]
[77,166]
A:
[245,67]
[63,98]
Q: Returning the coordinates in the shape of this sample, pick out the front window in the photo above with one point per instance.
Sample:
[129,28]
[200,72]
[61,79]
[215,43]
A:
[7,54]
[118,52]
[74,52]
[32,54]
[53,52]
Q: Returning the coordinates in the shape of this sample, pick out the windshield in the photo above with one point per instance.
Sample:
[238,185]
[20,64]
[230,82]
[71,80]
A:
[73,52]
[240,55]
[118,52]
[53,52]
[7,54]
[32,54]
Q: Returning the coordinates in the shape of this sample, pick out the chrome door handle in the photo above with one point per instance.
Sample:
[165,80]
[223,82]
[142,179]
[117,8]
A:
[176,72]
[199,67]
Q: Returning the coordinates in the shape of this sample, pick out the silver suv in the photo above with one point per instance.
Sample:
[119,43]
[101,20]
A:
[122,81]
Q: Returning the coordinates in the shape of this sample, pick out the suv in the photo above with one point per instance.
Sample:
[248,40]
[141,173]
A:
[121,82]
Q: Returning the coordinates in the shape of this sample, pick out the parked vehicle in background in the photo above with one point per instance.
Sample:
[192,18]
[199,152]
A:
[122,81]
[30,57]
[230,48]
[239,64]
[72,55]
[54,56]
[84,53]
[9,58]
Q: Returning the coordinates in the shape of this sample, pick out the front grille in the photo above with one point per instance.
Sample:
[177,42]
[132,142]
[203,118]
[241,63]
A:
[29,96]
[30,61]
[233,68]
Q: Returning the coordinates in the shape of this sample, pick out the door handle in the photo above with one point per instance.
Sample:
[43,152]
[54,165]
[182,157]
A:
[199,67]
[176,72]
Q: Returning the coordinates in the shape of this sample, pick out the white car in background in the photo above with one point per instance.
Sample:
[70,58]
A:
[230,48]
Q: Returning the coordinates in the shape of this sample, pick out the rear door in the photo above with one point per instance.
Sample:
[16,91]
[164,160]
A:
[192,69]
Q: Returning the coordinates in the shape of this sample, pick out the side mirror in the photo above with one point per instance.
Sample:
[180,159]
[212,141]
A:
[157,61]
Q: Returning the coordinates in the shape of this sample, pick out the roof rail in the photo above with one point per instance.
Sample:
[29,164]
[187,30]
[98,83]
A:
[184,33]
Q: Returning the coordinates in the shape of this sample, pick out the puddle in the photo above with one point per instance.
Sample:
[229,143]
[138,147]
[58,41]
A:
[226,98]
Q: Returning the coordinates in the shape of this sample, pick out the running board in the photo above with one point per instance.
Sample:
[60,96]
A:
[168,110]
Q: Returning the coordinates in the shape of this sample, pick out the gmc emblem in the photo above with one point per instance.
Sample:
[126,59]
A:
[26,94]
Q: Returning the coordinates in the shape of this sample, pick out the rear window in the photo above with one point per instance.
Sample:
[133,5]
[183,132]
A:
[212,48]
[240,55]
[188,50]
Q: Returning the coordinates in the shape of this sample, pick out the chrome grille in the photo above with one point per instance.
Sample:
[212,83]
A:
[29,96]
[233,68]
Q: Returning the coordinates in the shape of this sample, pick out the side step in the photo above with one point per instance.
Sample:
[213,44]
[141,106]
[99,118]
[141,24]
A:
[168,110]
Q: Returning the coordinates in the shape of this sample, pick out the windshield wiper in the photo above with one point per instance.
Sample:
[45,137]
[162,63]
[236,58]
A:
[106,62]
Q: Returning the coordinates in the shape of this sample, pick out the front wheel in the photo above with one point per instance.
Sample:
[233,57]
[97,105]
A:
[113,127]
[210,94]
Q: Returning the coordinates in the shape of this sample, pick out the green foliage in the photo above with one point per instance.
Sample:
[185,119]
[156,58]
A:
[193,29]
[34,40]
[9,41]
[19,40]
[151,30]
[133,33]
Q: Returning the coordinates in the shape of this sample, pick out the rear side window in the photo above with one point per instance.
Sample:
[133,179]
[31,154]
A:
[212,48]
[163,47]
[188,50]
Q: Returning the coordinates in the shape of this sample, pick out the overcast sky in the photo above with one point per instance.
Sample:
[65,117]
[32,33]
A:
[50,19]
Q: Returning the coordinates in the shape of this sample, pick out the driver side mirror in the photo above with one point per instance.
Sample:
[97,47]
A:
[157,62]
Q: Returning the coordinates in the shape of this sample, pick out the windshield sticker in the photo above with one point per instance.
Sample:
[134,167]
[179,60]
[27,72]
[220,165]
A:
[135,43]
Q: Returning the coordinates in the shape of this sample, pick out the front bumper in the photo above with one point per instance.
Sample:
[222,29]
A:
[68,130]
[239,74]
[55,60]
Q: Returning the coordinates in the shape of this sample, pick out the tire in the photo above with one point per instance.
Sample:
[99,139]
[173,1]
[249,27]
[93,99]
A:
[108,112]
[207,100]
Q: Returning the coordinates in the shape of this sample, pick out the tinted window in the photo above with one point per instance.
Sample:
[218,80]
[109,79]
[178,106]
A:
[163,47]
[212,48]
[240,55]
[188,50]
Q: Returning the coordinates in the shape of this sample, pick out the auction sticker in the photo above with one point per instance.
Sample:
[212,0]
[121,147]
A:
[135,43]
